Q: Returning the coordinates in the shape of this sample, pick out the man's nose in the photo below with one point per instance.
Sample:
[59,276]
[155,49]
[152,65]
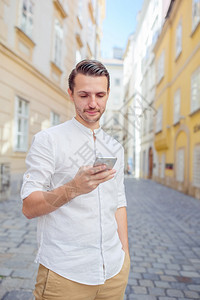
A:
[92,101]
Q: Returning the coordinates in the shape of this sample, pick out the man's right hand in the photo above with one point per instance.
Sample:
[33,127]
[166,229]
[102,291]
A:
[39,203]
[88,178]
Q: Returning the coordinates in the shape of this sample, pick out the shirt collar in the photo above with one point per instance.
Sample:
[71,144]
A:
[84,128]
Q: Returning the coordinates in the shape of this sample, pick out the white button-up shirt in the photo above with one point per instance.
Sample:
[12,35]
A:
[79,240]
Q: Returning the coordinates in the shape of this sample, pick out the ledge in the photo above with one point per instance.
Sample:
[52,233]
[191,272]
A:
[161,142]
[79,22]
[194,112]
[195,29]
[89,50]
[176,123]
[79,41]
[60,8]
[56,68]
[178,55]
[24,37]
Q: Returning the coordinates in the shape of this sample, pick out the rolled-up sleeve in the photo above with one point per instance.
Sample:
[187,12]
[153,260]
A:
[40,165]
[120,183]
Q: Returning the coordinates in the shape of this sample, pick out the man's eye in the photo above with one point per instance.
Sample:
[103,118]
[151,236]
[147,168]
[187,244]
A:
[83,96]
[100,95]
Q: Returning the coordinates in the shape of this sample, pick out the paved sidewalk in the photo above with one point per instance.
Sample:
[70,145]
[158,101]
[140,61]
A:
[164,234]
[17,252]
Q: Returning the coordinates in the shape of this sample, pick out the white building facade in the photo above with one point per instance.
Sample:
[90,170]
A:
[139,87]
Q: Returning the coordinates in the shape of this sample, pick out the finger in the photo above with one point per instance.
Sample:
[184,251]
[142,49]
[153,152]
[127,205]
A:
[98,181]
[104,174]
[97,169]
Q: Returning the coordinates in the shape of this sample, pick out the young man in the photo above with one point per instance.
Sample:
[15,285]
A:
[82,225]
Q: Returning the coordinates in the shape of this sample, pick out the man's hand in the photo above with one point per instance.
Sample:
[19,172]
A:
[88,178]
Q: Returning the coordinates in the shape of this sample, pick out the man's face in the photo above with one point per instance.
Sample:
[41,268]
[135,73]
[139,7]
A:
[89,96]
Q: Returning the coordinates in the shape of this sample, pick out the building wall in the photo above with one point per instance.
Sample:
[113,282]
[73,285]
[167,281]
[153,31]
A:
[177,140]
[113,119]
[141,87]
[30,71]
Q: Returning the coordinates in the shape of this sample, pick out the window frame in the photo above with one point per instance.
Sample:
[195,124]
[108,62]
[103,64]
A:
[159,122]
[177,98]
[25,128]
[179,34]
[161,67]
[57,43]
[196,170]
[54,114]
[180,176]
[196,22]
[25,28]
[193,106]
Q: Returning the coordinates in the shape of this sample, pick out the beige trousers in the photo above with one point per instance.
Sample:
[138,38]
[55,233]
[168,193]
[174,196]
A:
[51,286]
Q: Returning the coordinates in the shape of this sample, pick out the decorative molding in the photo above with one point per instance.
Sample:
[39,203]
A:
[30,68]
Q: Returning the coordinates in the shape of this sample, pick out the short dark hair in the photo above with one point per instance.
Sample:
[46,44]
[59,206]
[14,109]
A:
[89,68]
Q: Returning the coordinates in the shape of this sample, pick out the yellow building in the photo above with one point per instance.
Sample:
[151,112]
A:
[40,42]
[177,124]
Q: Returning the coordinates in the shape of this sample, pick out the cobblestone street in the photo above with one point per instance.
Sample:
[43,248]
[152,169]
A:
[164,238]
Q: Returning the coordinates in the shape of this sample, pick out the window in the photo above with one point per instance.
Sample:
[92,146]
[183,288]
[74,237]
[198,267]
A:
[159,117]
[115,119]
[58,39]
[80,10]
[180,165]
[177,103]
[117,81]
[160,67]
[116,99]
[195,13]
[195,90]
[55,118]
[26,22]
[78,56]
[21,124]
[162,166]
[151,119]
[196,166]
[144,163]
[91,34]
[179,38]
[152,76]
[156,164]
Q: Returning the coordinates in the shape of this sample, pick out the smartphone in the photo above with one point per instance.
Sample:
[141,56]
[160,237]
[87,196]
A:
[108,161]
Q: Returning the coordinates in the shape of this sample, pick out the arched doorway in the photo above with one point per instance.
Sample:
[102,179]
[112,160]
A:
[150,167]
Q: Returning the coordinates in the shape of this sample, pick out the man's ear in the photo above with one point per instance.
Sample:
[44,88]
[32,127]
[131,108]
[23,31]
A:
[70,94]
